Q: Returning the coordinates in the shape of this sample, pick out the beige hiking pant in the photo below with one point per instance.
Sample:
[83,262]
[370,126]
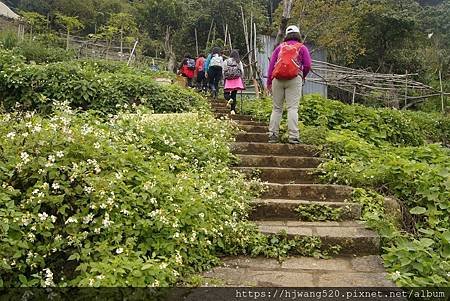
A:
[291,91]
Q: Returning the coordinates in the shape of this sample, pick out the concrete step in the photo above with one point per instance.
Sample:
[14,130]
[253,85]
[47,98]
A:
[343,271]
[255,129]
[234,117]
[252,137]
[312,192]
[278,161]
[281,175]
[274,149]
[279,209]
[352,237]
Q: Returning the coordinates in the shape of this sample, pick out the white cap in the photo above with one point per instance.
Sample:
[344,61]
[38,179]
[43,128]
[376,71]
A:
[292,28]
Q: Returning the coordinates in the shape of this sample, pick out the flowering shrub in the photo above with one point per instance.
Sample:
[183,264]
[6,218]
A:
[87,85]
[371,148]
[135,200]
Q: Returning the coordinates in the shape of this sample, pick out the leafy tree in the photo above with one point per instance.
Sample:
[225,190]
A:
[36,21]
[70,24]
[125,25]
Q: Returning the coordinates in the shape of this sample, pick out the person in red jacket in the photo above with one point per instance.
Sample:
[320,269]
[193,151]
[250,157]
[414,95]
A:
[200,73]
[187,69]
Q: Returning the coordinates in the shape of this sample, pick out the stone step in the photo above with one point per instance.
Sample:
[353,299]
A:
[279,209]
[281,175]
[274,149]
[255,129]
[278,161]
[352,237]
[234,117]
[312,192]
[223,110]
[342,271]
[252,137]
[251,122]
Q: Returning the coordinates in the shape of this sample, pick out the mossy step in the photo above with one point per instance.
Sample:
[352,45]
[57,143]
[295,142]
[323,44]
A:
[278,161]
[342,271]
[275,149]
[281,175]
[277,209]
[234,117]
[254,129]
[352,237]
[252,137]
[313,192]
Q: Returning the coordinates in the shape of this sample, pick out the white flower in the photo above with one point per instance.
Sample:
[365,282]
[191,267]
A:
[119,250]
[60,154]
[25,157]
[71,220]
[91,282]
[42,216]
[37,128]
[48,277]
[88,189]
[96,145]
[53,218]
[88,218]
[55,186]
[31,237]
[100,277]
[51,158]
[97,230]
[11,135]
[125,211]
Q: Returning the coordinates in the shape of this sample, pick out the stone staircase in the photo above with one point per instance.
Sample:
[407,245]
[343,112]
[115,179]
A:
[287,169]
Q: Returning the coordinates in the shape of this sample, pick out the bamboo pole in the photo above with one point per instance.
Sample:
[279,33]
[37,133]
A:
[229,40]
[132,52]
[442,92]
[209,32]
[226,35]
[196,41]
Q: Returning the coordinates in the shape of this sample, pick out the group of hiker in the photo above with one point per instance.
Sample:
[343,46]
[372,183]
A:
[206,72]
[289,65]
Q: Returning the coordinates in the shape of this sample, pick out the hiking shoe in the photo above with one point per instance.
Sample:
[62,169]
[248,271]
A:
[294,141]
[273,139]
[233,112]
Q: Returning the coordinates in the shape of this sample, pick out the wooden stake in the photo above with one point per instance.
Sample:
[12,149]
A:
[229,40]
[226,35]
[354,95]
[132,52]
[406,89]
[442,92]
[196,41]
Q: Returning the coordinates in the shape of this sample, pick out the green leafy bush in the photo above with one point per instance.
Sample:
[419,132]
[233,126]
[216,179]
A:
[96,86]
[135,200]
[373,125]
[386,150]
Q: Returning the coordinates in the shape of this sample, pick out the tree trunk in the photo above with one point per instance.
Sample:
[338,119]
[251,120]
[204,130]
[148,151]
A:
[168,49]
[287,8]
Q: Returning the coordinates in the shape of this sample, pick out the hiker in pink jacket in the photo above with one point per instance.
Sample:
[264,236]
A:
[289,65]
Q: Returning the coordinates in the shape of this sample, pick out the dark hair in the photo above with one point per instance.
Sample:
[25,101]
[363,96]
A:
[235,55]
[187,56]
[216,50]
[293,36]
[202,55]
